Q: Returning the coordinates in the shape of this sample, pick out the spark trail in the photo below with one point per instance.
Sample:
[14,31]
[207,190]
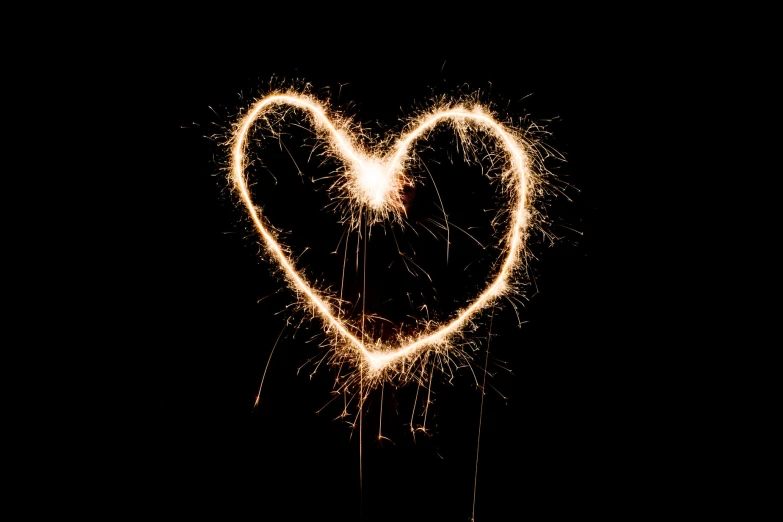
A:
[370,186]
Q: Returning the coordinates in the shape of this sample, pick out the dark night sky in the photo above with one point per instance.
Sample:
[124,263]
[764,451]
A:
[570,436]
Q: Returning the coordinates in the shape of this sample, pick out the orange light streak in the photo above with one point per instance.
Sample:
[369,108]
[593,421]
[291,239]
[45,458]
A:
[373,182]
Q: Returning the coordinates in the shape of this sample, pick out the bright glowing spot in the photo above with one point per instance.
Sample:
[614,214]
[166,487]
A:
[375,363]
[375,181]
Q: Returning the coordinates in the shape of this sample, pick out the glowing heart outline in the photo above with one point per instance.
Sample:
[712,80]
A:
[519,177]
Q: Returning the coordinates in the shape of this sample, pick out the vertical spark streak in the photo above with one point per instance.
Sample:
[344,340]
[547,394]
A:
[361,371]
[342,279]
[429,392]
[380,417]
[413,411]
[481,414]
[263,376]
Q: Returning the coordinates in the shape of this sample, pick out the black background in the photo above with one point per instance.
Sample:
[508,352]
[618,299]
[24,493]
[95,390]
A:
[573,433]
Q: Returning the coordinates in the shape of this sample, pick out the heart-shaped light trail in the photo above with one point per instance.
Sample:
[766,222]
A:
[373,182]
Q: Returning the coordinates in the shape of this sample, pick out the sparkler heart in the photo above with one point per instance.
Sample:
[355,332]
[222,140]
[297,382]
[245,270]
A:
[374,183]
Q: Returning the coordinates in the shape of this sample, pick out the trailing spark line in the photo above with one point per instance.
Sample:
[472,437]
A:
[372,181]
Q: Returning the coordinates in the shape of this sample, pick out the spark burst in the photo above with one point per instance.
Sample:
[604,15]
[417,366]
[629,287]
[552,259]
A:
[368,189]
